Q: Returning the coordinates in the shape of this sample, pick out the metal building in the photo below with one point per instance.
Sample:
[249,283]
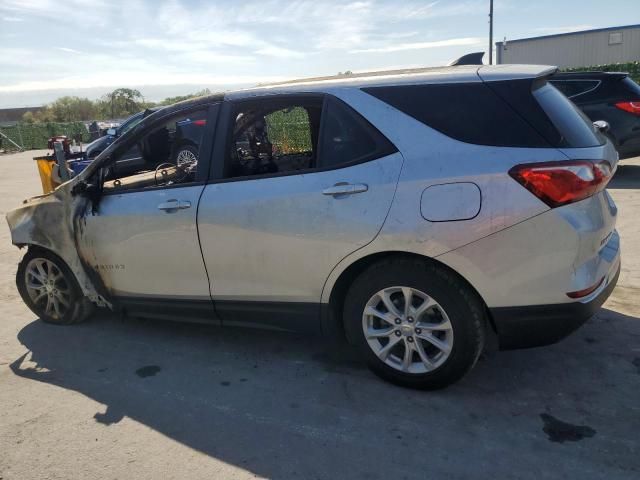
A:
[575,49]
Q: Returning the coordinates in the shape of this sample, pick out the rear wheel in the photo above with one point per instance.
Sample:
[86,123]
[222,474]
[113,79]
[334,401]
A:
[49,288]
[415,323]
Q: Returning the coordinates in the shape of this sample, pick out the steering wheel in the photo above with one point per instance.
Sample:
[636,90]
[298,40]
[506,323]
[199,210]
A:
[162,169]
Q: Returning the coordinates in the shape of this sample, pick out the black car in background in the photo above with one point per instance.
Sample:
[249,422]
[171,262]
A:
[96,147]
[186,141]
[613,97]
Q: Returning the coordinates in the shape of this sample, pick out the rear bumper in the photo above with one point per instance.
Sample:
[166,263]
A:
[538,325]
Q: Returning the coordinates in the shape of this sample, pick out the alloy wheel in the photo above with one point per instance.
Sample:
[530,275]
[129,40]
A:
[407,329]
[186,157]
[47,287]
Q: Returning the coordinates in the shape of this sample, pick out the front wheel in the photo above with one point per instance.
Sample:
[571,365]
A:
[49,288]
[415,323]
[186,155]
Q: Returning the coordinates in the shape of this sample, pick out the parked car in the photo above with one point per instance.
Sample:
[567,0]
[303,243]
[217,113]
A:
[612,97]
[96,147]
[426,216]
[186,144]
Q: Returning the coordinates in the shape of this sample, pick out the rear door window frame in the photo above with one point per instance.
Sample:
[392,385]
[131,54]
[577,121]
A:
[226,122]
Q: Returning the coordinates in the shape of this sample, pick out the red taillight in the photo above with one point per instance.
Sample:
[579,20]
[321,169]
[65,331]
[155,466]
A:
[586,291]
[199,122]
[631,107]
[559,183]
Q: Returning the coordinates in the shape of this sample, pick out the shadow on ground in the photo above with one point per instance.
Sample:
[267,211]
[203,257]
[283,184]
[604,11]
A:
[287,406]
[626,177]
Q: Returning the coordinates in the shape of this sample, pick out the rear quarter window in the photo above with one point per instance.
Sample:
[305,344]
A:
[469,112]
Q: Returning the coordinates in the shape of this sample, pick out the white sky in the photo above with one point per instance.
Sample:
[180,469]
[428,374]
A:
[167,47]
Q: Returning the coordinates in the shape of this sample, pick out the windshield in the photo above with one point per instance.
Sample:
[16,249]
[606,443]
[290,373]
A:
[130,123]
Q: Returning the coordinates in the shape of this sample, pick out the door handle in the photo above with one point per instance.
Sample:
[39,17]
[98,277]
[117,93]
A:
[174,205]
[344,188]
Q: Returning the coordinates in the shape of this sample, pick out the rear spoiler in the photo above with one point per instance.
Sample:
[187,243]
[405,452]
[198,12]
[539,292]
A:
[493,73]
[589,75]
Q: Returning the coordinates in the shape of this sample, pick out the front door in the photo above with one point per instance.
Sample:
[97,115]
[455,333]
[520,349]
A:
[143,239]
[308,181]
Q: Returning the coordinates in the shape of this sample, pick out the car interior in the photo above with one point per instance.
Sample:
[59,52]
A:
[271,139]
[157,166]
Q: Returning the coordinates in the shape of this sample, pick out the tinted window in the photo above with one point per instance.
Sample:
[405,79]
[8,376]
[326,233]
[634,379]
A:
[574,127]
[347,137]
[631,87]
[270,138]
[571,88]
[469,112]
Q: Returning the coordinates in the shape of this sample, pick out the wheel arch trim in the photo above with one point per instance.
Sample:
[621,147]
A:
[341,277]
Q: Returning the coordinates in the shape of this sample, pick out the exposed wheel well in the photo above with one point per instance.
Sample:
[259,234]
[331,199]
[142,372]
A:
[333,321]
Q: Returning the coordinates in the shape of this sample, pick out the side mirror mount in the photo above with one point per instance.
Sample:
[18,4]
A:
[601,125]
[112,132]
[84,188]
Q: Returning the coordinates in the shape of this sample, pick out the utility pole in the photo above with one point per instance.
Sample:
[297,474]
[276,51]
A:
[490,32]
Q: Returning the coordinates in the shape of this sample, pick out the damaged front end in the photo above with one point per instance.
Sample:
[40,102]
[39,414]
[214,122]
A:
[55,222]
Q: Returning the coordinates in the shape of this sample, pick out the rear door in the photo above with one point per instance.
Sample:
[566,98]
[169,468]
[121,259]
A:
[306,181]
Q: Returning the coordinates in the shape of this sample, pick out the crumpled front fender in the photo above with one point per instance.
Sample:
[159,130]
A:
[52,222]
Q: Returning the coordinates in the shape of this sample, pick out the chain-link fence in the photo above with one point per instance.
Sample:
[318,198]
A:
[289,130]
[35,135]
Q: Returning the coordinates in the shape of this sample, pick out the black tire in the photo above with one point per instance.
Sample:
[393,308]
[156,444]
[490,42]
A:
[461,304]
[79,307]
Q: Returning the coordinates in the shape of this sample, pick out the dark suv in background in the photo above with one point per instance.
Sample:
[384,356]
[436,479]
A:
[613,97]
[96,147]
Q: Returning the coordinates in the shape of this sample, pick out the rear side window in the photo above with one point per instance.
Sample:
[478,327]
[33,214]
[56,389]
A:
[573,88]
[349,138]
[575,128]
[271,137]
[469,112]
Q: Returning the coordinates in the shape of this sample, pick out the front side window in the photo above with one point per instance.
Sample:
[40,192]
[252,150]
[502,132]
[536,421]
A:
[166,155]
[272,138]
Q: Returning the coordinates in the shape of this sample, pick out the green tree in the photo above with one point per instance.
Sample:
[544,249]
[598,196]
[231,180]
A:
[45,115]
[180,98]
[28,117]
[122,102]
[72,109]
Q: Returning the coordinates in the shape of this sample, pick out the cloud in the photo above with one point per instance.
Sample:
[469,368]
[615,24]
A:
[115,79]
[68,50]
[453,42]
[157,42]
[279,52]
[7,18]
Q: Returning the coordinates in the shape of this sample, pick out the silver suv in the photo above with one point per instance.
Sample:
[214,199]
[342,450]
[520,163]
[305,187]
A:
[425,214]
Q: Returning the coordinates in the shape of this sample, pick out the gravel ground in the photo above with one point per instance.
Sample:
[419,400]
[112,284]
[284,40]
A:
[125,398]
